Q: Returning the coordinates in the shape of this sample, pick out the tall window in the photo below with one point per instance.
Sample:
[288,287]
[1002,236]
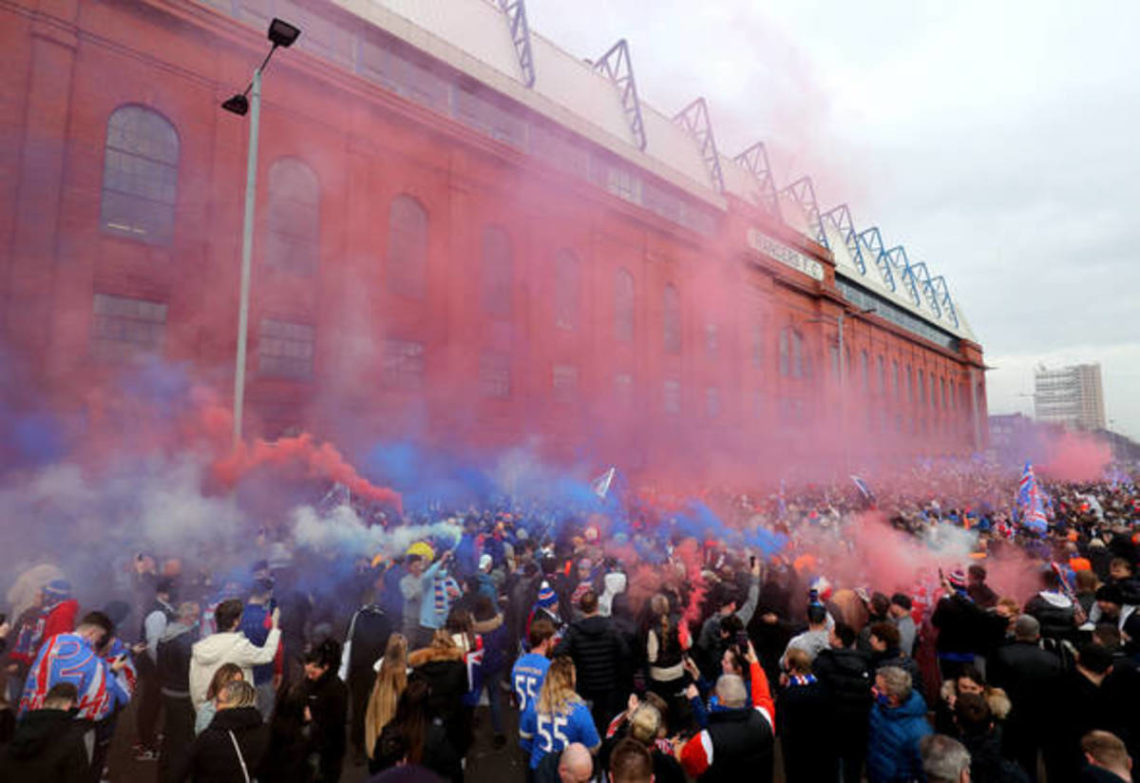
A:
[712,340]
[292,237]
[564,380]
[921,388]
[566,284]
[757,346]
[712,402]
[909,385]
[140,175]
[124,329]
[882,375]
[623,389]
[792,353]
[672,319]
[895,365]
[285,349]
[495,375]
[497,272]
[407,247]
[403,364]
[865,366]
[623,305]
[671,396]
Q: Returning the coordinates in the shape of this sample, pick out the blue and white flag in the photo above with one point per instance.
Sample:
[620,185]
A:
[1031,502]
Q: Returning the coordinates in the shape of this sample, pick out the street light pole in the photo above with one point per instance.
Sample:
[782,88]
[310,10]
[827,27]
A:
[247,254]
[843,393]
[280,34]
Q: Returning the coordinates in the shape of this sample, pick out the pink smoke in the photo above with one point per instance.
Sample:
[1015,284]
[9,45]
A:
[1075,456]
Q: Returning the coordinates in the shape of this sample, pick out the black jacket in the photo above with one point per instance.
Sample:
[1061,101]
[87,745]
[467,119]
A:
[1055,613]
[742,747]
[368,637]
[964,627]
[986,762]
[803,710]
[173,655]
[438,755]
[598,651]
[327,700]
[213,757]
[846,677]
[47,746]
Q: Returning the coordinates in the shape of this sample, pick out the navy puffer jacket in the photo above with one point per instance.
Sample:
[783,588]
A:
[892,743]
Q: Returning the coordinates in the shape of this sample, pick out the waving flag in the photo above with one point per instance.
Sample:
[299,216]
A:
[1030,502]
[865,491]
[601,485]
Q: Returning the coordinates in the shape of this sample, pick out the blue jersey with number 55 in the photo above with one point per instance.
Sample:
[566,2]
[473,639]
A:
[552,733]
[527,676]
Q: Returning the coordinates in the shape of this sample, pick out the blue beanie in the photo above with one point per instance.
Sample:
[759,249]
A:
[546,596]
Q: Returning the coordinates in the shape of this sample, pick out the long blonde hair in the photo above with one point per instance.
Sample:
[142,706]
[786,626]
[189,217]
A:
[557,695]
[390,683]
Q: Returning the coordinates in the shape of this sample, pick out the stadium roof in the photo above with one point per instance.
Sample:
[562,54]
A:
[490,41]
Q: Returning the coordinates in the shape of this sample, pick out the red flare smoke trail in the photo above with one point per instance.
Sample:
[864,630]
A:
[321,460]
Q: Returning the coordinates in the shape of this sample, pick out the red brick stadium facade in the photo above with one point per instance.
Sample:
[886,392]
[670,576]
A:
[446,264]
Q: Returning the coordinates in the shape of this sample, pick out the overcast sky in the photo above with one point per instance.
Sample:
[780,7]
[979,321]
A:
[998,142]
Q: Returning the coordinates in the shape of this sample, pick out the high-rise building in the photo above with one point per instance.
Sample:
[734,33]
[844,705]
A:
[1072,396]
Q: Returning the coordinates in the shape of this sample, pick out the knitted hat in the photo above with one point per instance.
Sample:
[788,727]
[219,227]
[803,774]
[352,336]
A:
[485,562]
[546,596]
[957,579]
[57,590]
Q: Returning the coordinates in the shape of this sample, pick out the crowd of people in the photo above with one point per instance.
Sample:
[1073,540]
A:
[632,646]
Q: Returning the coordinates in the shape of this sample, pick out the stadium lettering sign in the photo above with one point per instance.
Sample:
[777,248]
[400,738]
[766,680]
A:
[784,254]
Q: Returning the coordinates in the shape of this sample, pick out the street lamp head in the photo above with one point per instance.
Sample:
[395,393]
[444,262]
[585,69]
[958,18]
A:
[283,34]
[238,105]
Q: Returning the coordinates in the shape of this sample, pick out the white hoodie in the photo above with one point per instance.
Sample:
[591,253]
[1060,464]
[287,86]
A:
[229,647]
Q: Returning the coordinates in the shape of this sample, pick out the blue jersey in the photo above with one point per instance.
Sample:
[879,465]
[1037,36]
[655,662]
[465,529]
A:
[544,733]
[527,676]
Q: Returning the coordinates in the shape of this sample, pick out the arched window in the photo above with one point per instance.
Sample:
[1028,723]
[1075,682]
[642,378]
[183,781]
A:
[292,236]
[566,284]
[865,366]
[882,374]
[671,302]
[407,247]
[140,175]
[623,305]
[497,272]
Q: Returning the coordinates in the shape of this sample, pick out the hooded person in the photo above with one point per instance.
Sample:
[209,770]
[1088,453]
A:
[1054,610]
[173,672]
[48,744]
[229,645]
[614,584]
[442,665]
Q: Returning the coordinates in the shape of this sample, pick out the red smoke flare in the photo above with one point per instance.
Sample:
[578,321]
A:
[320,460]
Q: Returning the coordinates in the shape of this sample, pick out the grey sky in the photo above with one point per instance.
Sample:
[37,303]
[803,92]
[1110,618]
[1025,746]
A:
[997,141]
